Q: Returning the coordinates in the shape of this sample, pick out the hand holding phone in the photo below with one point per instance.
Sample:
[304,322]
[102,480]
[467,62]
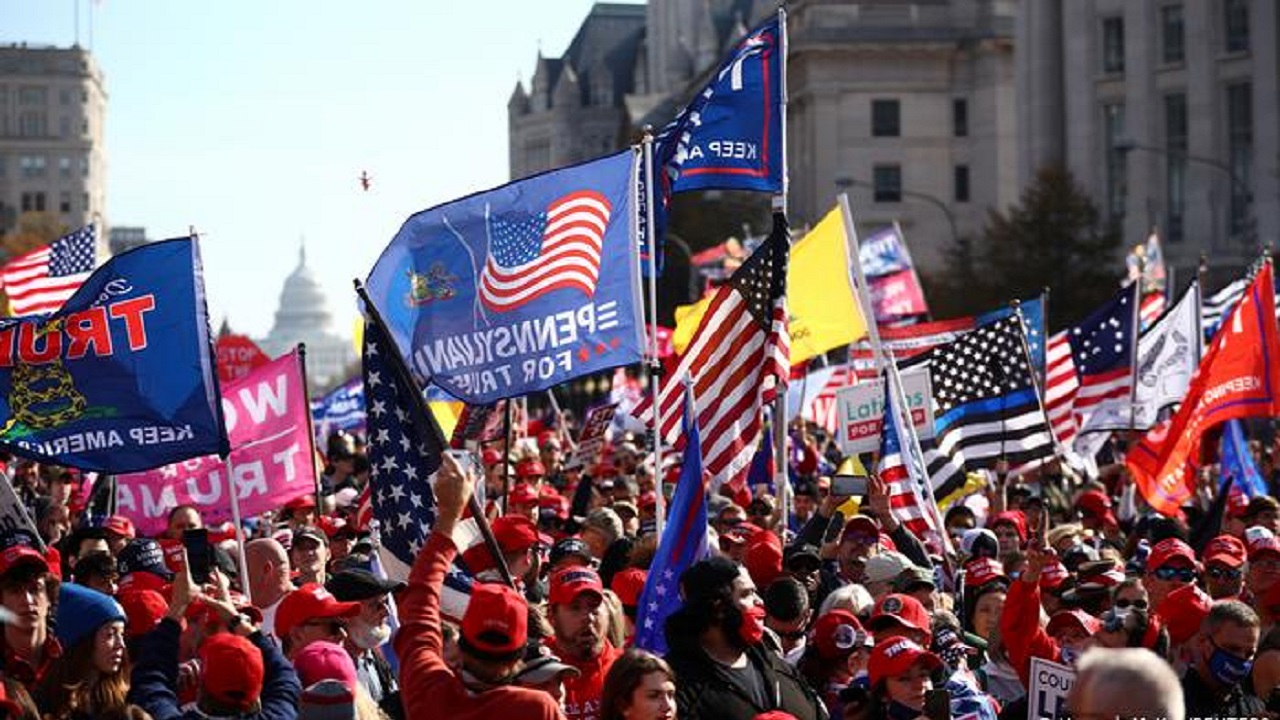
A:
[199,554]
[937,704]
[848,485]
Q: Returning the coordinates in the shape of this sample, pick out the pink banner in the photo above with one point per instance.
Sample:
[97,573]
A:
[897,295]
[266,416]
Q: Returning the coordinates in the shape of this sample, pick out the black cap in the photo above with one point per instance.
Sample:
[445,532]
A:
[146,555]
[802,554]
[569,547]
[705,578]
[311,532]
[355,584]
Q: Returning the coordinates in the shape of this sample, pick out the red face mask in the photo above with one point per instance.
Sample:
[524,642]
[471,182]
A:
[751,629]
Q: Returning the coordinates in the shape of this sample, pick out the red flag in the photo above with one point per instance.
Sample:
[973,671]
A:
[1238,377]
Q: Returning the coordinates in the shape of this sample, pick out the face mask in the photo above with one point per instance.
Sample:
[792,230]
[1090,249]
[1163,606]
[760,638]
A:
[1069,656]
[368,637]
[1227,668]
[751,629]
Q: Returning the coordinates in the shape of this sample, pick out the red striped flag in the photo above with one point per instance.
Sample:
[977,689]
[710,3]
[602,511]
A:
[1151,309]
[559,248]
[905,498]
[739,359]
[1060,388]
[822,409]
[43,279]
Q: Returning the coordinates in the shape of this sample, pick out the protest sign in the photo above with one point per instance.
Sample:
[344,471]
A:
[1050,685]
[591,439]
[860,411]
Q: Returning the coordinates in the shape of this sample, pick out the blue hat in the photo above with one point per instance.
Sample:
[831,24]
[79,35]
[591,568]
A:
[81,611]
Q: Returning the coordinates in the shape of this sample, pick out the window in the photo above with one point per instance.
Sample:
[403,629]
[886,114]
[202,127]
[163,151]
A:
[32,123]
[1171,34]
[1117,184]
[64,97]
[64,167]
[32,165]
[1236,21]
[4,170]
[1113,45]
[84,127]
[31,96]
[1240,152]
[885,120]
[32,202]
[64,203]
[888,183]
[64,127]
[960,117]
[84,166]
[1175,139]
[961,183]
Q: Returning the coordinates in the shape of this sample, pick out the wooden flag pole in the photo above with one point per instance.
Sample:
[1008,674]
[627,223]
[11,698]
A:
[311,429]
[398,366]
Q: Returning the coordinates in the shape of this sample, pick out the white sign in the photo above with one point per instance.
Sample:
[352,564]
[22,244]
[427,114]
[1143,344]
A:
[591,439]
[1050,685]
[860,411]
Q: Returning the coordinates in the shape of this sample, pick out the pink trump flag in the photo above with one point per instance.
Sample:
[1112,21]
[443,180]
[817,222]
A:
[271,456]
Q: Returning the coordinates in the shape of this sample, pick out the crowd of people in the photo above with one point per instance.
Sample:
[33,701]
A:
[832,610]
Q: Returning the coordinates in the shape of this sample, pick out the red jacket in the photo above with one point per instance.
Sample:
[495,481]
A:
[582,694]
[1021,619]
[428,688]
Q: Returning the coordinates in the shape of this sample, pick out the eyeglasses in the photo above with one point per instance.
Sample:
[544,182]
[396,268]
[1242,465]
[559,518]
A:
[335,627]
[790,634]
[861,539]
[1221,573]
[1166,572]
[1126,603]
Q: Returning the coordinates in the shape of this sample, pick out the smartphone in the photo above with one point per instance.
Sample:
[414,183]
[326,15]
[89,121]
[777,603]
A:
[199,554]
[937,704]
[848,485]
[468,461]
[834,526]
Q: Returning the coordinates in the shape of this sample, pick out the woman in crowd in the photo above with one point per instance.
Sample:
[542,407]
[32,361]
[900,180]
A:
[640,686]
[91,678]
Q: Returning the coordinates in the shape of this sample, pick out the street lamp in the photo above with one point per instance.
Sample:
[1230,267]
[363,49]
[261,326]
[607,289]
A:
[1125,146]
[846,182]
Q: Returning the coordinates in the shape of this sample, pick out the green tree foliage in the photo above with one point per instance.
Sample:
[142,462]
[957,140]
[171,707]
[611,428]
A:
[1054,238]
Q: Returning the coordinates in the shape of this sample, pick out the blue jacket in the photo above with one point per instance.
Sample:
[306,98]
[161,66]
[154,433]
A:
[155,677]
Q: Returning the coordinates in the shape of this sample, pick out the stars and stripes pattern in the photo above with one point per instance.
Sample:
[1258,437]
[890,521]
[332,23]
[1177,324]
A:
[556,249]
[43,279]
[906,491]
[738,360]
[1152,307]
[1060,387]
[1102,349]
[985,404]
[821,409]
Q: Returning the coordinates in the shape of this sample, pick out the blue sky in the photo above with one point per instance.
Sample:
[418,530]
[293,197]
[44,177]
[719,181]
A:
[252,121]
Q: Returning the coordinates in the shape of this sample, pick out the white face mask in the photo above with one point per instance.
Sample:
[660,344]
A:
[368,637]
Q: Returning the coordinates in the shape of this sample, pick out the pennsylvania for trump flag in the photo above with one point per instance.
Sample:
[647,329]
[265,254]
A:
[738,360]
[43,279]
[985,404]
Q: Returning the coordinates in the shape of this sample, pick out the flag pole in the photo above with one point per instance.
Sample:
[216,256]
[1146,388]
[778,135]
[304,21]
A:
[311,428]
[561,428]
[655,366]
[398,366]
[1026,351]
[506,453]
[235,518]
[1133,351]
[781,419]
[905,424]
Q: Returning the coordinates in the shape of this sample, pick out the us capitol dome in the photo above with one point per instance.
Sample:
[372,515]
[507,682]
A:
[303,316]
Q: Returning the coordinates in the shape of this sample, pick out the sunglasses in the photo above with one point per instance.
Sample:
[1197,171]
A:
[1221,573]
[1113,622]
[1126,603]
[334,627]
[791,635]
[1166,572]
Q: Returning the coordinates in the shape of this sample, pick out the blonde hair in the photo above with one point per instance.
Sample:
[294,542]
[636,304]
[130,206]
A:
[615,630]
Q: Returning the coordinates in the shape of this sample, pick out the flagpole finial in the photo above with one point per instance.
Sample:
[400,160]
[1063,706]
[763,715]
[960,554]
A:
[646,133]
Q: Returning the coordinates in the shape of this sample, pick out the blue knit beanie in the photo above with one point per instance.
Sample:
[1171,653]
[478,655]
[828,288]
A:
[81,611]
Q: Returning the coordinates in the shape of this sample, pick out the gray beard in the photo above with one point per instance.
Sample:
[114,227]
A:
[368,637]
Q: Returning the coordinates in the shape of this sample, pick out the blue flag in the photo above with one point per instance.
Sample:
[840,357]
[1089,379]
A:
[521,288]
[684,542]
[341,409]
[883,252]
[121,378]
[1032,313]
[1237,462]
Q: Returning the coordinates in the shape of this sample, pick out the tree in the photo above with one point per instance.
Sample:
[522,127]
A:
[1054,238]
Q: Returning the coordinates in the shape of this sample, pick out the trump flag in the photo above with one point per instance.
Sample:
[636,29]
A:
[520,288]
[121,378]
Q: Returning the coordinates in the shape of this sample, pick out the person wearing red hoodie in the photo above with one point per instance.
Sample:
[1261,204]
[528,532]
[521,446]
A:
[493,635]
[577,615]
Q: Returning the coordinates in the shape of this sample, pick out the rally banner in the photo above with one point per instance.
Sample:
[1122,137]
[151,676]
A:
[1050,687]
[860,411]
[521,288]
[591,438]
[237,357]
[271,456]
[341,409]
[883,252]
[897,296]
[121,378]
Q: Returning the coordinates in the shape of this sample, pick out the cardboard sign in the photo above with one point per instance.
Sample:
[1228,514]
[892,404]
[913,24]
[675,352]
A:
[1050,685]
[591,439]
[860,411]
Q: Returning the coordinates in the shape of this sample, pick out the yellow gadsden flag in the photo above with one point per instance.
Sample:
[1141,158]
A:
[824,312]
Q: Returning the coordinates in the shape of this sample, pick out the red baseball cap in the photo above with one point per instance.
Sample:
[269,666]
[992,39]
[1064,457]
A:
[530,468]
[490,456]
[1097,504]
[763,558]
[983,570]
[233,670]
[143,610]
[1266,544]
[309,602]
[566,584]
[17,555]
[522,494]
[120,525]
[302,502]
[838,633]
[1011,517]
[627,585]
[1077,618]
[860,525]
[514,533]
[1168,550]
[1183,610]
[1225,550]
[895,657]
[648,499]
[902,610]
[548,438]
[1053,575]
[496,621]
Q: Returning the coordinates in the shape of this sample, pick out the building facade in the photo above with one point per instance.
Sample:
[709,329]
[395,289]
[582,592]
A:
[303,317]
[52,156]
[126,237]
[1167,112]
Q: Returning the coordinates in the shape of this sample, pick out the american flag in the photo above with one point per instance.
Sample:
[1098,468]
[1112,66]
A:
[683,543]
[1102,348]
[1060,388]
[906,493]
[1152,307]
[43,279]
[985,404]
[738,360]
[556,249]
[821,407]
